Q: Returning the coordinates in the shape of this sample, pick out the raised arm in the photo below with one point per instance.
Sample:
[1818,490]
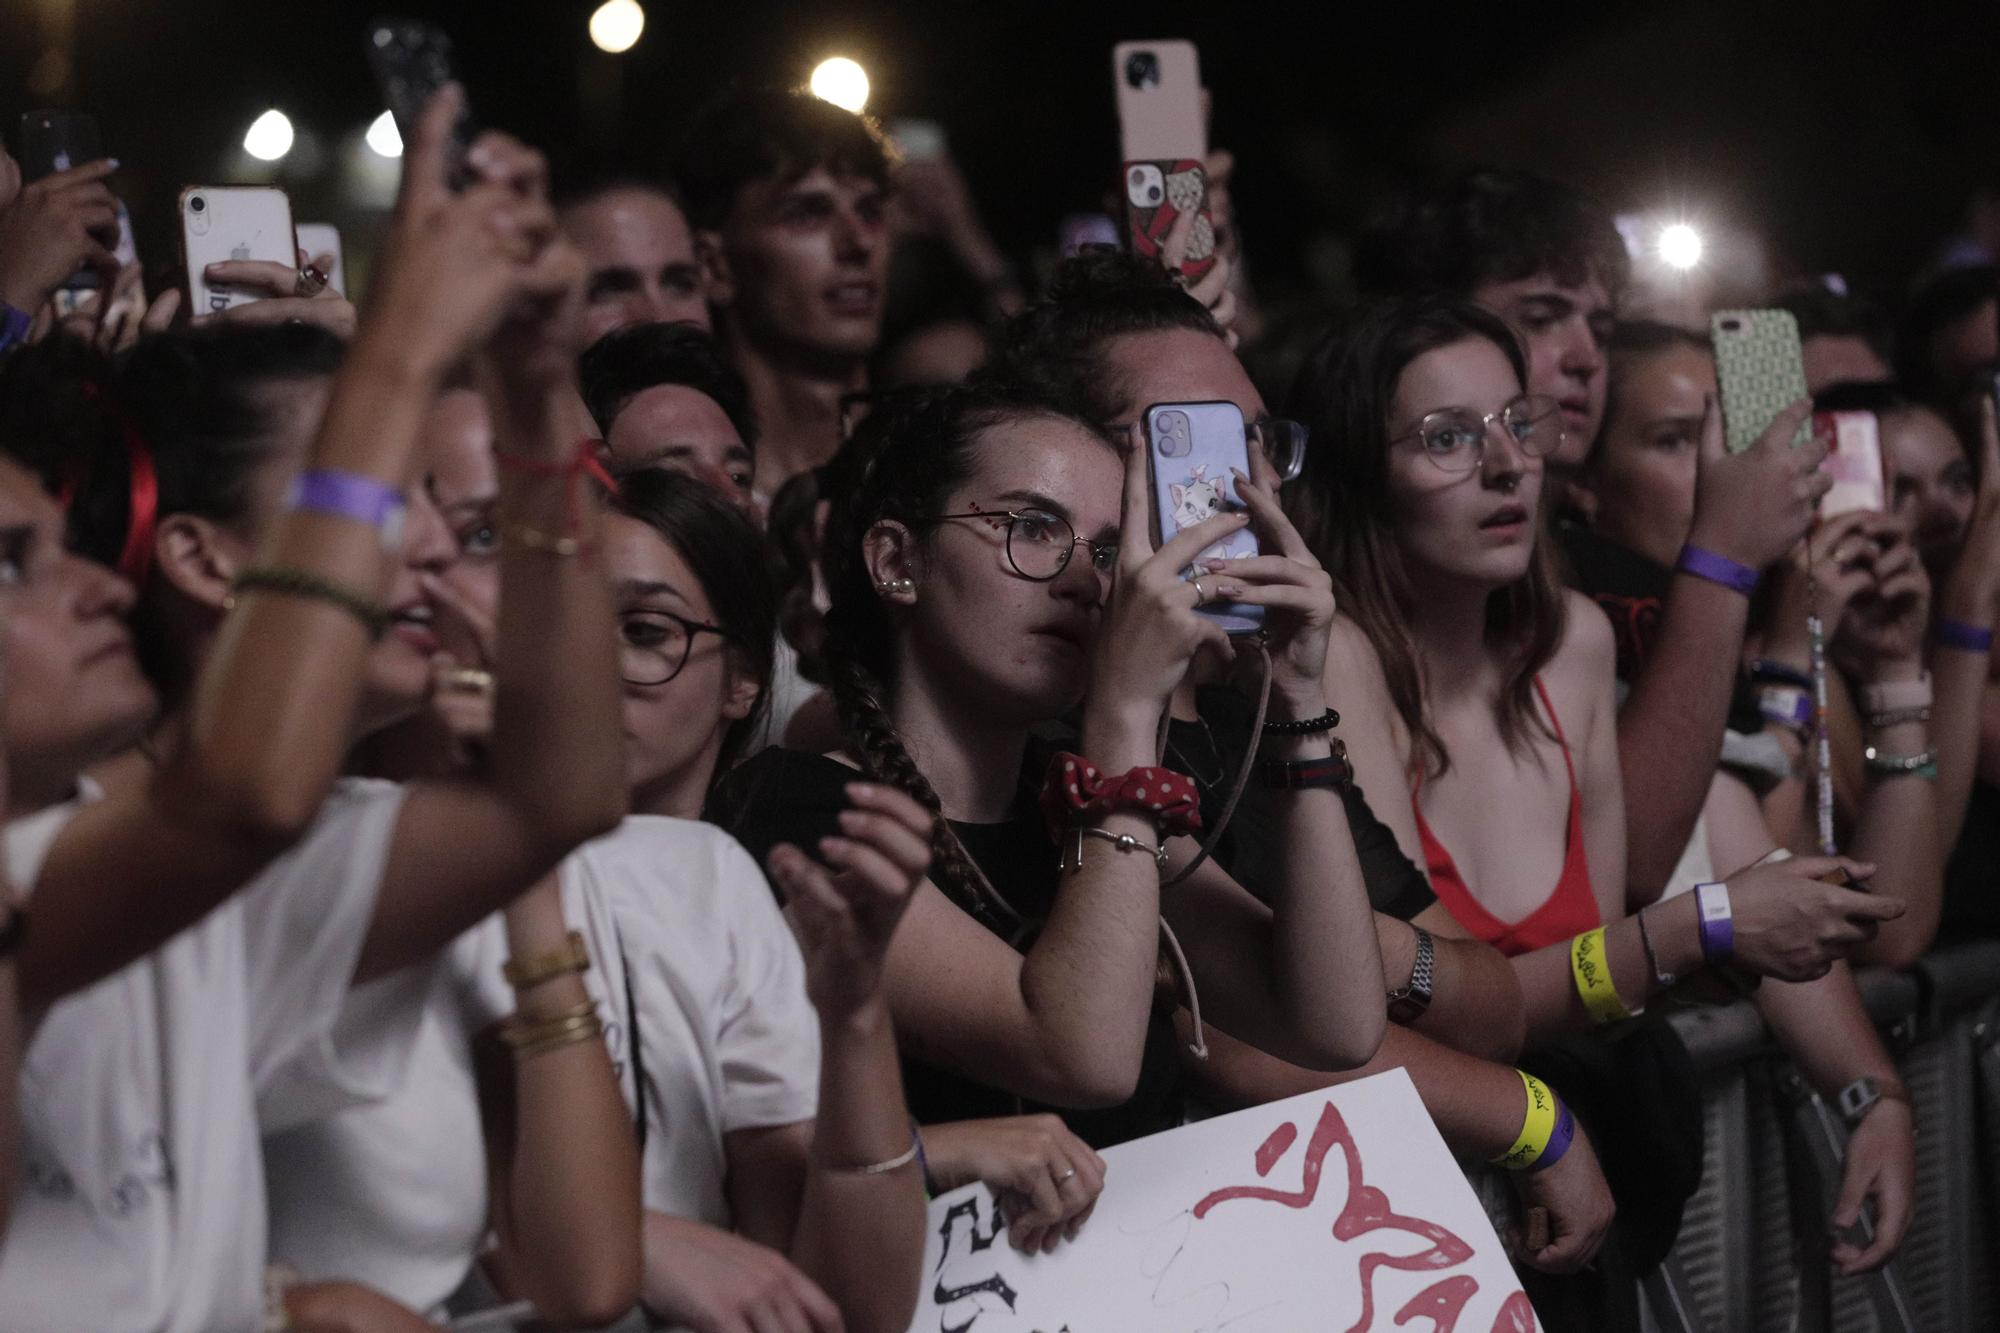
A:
[270,714]
[1302,977]
[555,773]
[1749,508]
[1961,658]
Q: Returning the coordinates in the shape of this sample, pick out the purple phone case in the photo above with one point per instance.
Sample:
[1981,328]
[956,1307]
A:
[1193,450]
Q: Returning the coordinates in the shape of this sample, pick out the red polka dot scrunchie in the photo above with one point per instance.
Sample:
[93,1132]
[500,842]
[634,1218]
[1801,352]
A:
[1078,792]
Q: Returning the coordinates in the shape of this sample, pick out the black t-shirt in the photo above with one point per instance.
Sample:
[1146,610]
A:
[1632,590]
[1211,750]
[789,796]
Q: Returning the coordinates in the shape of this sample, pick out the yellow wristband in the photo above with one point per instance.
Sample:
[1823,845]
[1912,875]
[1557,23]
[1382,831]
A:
[1591,965]
[1536,1127]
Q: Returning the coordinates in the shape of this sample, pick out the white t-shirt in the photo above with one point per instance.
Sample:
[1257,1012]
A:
[141,1199]
[394,1194]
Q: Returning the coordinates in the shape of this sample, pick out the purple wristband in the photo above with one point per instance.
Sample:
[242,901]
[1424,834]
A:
[1717,926]
[1559,1138]
[350,495]
[1957,634]
[14,326]
[1717,569]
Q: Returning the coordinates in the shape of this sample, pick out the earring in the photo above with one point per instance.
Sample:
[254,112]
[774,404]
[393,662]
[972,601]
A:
[895,587]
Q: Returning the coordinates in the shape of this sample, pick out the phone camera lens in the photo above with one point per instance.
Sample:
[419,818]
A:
[1153,194]
[198,204]
[1142,69]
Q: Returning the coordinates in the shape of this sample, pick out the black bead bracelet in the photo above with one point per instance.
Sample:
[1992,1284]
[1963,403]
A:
[1305,726]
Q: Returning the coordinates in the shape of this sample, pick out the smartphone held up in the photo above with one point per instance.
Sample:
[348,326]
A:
[1163,138]
[1193,452]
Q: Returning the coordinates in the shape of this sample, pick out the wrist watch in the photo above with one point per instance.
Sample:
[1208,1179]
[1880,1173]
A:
[1408,1003]
[1861,1096]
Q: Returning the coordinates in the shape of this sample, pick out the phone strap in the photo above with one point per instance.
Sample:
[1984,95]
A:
[1822,744]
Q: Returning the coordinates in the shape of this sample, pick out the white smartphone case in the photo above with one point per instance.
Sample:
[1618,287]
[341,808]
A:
[232,222]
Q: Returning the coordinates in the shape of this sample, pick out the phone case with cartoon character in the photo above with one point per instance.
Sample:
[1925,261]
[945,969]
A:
[1193,450]
[1157,196]
[1760,370]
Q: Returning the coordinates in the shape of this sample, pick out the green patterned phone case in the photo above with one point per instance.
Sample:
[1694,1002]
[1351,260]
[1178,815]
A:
[1758,366]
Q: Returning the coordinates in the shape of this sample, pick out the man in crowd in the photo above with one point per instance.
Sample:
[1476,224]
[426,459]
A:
[640,252]
[788,196]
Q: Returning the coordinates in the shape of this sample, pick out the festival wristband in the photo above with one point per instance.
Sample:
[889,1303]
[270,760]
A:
[1786,705]
[1539,1128]
[1716,924]
[1332,771]
[1957,634]
[1777,673]
[1891,696]
[1590,965]
[366,501]
[1077,792]
[1717,569]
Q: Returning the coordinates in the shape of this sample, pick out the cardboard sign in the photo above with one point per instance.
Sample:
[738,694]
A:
[1337,1210]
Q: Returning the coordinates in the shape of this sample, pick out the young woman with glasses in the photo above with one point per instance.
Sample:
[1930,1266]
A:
[990,569]
[1467,676]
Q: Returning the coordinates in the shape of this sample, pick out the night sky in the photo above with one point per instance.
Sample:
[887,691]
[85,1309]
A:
[1848,135]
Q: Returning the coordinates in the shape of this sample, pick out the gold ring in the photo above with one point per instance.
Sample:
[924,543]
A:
[1200,593]
[468,680]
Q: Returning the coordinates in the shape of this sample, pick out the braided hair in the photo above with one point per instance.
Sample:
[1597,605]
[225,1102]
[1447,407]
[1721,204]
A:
[914,449]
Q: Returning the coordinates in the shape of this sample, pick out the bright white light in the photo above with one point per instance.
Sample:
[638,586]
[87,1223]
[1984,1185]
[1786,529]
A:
[269,137]
[383,138]
[842,82]
[616,25]
[1680,246]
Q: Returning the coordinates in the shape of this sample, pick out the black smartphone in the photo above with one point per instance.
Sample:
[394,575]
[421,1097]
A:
[53,141]
[412,60]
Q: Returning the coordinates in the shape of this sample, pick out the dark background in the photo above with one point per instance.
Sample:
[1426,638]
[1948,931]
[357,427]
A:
[1847,135]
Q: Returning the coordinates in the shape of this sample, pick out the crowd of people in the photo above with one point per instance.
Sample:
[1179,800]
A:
[601,778]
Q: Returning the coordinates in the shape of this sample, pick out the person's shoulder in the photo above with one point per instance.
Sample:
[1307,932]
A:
[686,869]
[1588,644]
[1351,655]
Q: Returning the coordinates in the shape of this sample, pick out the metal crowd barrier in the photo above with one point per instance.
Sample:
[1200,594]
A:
[1752,1256]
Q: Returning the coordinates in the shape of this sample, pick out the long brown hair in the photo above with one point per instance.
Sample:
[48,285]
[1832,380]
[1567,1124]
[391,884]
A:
[1342,507]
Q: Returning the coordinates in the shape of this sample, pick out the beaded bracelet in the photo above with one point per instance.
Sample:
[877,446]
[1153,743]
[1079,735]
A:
[1305,726]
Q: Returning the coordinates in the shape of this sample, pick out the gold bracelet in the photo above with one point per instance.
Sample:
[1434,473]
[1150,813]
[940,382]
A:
[519,1031]
[534,539]
[586,1030]
[527,973]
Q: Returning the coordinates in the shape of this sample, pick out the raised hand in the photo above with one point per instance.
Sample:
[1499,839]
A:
[54,227]
[1885,623]
[845,912]
[1753,507]
[1297,595]
[1150,631]
[279,296]
[1972,593]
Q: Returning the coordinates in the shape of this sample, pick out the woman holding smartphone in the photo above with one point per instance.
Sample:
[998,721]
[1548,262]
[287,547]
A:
[990,566]
[1471,679]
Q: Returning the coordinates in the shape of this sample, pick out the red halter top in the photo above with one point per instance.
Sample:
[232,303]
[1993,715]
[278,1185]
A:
[1570,910]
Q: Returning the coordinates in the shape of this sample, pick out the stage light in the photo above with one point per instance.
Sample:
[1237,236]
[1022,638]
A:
[1680,246]
[842,82]
[616,25]
[382,137]
[269,137]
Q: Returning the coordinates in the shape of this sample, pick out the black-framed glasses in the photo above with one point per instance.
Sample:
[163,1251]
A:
[654,646]
[1283,442]
[1454,438]
[1039,544]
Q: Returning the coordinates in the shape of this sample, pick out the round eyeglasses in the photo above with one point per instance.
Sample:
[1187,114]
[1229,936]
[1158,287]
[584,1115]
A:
[1454,438]
[653,646]
[1039,544]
